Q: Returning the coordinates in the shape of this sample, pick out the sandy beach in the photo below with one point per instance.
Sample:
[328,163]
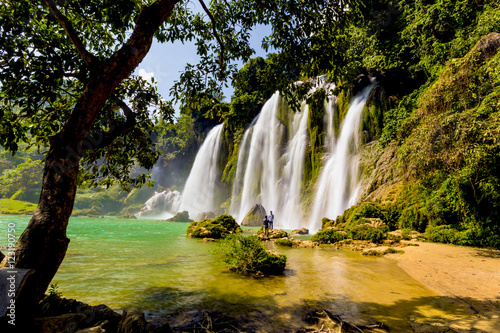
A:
[469,277]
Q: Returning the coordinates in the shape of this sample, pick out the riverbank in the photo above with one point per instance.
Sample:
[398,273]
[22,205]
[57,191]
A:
[469,277]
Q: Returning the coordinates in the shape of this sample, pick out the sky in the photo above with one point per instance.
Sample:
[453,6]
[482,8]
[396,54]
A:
[165,62]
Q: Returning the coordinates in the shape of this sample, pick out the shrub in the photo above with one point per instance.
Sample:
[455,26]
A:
[367,232]
[442,234]
[247,255]
[328,236]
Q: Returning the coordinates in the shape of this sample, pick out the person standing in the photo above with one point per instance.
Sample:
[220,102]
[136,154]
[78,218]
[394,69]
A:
[265,223]
[271,220]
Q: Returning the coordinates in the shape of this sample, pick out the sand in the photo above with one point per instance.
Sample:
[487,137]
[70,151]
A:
[466,276]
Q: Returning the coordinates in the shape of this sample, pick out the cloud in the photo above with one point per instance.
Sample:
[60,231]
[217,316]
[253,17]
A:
[145,75]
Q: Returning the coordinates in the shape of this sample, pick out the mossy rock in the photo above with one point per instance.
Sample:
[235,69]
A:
[214,228]
[273,233]
[180,217]
[127,216]
[255,216]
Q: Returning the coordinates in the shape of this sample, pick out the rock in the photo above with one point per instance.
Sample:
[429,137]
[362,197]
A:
[95,329]
[301,231]
[208,240]
[180,217]
[273,233]
[68,322]
[127,216]
[205,215]
[255,216]
[133,321]
[99,315]
[213,228]
[308,244]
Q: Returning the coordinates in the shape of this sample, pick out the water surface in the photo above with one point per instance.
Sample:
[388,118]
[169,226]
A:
[152,266]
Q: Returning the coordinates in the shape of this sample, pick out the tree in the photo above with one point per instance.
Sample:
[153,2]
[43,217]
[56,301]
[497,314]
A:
[67,88]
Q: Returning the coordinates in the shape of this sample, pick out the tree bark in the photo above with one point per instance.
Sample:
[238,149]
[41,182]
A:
[43,244]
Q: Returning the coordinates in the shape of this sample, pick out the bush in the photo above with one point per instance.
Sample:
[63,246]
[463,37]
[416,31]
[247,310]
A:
[367,232]
[214,228]
[328,236]
[247,255]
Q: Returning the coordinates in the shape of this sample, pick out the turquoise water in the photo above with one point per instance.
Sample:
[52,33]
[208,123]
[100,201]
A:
[152,266]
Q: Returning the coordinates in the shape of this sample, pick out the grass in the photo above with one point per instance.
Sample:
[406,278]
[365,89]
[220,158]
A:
[16,207]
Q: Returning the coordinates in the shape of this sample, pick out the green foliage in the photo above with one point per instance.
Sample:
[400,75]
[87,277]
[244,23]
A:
[247,255]
[358,213]
[315,149]
[367,232]
[328,236]
[451,153]
[214,228]
[22,182]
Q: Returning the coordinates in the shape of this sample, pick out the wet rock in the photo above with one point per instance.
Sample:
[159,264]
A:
[302,231]
[205,215]
[127,216]
[255,216]
[208,240]
[273,233]
[180,217]
[133,321]
[68,322]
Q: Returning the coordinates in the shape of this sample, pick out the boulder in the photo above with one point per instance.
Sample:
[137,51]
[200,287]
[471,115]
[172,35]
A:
[213,228]
[204,216]
[133,321]
[301,231]
[255,216]
[273,233]
[180,217]
[68,322]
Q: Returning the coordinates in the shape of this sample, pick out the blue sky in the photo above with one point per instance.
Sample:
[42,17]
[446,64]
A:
[165,61]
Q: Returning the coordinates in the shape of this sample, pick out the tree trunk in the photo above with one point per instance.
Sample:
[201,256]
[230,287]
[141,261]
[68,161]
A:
[43,244]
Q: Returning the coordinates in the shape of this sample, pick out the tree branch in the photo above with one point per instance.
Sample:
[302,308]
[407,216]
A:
[215,33]
[119,129]
[68,27]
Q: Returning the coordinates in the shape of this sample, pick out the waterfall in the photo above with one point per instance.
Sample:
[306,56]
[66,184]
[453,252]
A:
[271,159]
[161,205]
[260,176]
[202,183]
[338,183]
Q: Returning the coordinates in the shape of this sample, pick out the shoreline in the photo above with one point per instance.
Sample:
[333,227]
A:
[466,276]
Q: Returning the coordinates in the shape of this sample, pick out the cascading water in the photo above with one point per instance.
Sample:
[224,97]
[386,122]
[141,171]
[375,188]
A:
[338,183]
[161,204]
[202,183]
[270,166]
[272,156]
[260,177]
